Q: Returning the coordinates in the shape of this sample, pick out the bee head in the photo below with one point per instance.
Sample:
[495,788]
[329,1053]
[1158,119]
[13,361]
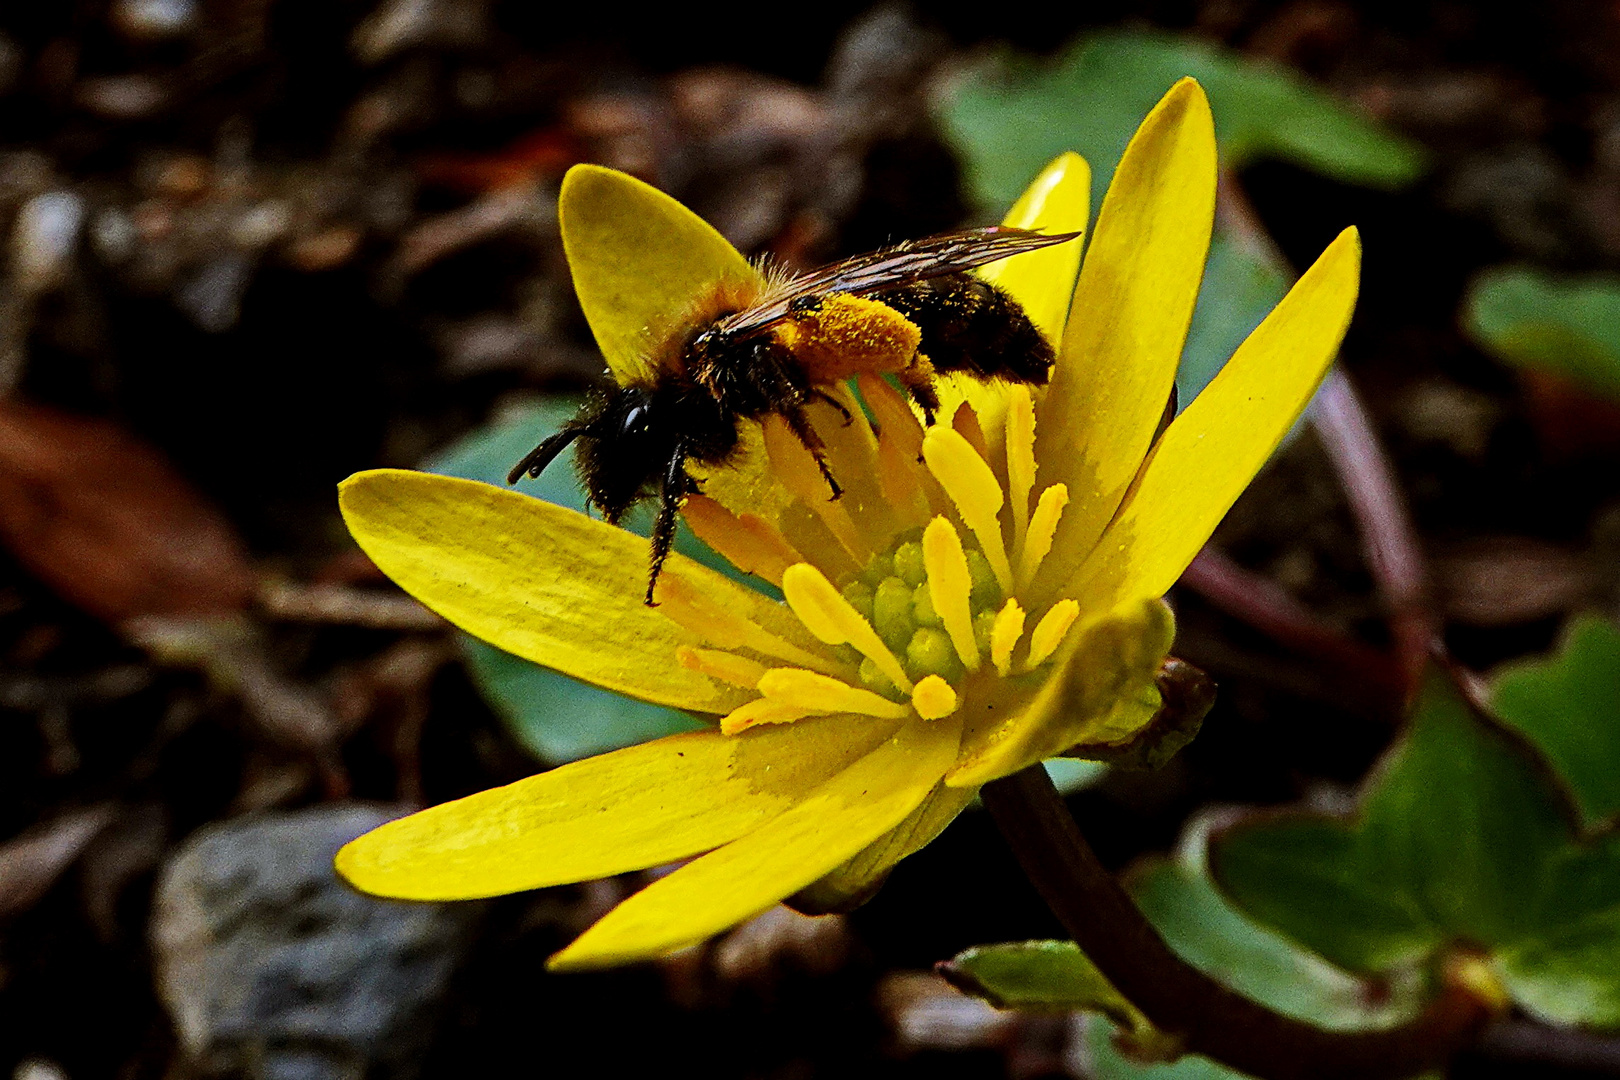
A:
[627,438]
[710,341]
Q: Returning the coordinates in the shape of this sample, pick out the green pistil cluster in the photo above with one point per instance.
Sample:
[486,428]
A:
[892,591]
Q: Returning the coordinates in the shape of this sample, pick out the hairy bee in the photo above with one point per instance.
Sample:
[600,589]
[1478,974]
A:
[910,311]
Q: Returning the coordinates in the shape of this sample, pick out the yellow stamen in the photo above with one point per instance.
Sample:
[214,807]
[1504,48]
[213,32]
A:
[894,417]
[725,666]
[687,607]
[760,711]
[1004,635]
[827,615]
[967,479]
[797,470]
[899,481]
[950,585]
[823,694]
[1050,631]
[965,423]
[933,698]
[748,541]
[1042,527]
[1020,459]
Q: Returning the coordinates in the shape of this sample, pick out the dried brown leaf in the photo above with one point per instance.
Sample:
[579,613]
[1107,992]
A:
[108,523]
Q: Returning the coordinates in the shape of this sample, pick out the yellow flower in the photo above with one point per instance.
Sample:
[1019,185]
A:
[986,593]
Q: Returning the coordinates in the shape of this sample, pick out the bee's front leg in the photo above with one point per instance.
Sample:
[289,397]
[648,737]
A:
[676,486]
[799,424]
[918,379]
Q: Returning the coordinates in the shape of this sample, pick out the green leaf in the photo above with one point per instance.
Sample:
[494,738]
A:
[1009,119]
[1208,932]
[1566,326]
[1092,99]
[1569,971]
[1568,704]
[1462,839]
[1310,878]
[1224,943]
[1454,834]
[557,718]
[1105,1061]
[1241,285]
[1040,976]
[1465,818]
[1069,775]
[1570,975]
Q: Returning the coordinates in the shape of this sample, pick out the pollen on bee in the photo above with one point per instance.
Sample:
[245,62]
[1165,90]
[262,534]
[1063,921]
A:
[847,335]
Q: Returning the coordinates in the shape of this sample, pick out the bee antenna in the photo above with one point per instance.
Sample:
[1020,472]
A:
[535,461]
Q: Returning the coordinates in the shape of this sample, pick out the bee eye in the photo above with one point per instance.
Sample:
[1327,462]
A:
[634,420]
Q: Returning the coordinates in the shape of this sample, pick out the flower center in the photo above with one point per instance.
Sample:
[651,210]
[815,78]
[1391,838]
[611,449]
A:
[929,588]
[896,593]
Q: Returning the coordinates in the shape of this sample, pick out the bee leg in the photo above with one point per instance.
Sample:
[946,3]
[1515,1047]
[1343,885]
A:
[918,379]
[799,424]
[822,395]
[536,460]
[677,485]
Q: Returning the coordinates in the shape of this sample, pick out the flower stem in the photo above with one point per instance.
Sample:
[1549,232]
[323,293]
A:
[1394,555]
[1209,1018]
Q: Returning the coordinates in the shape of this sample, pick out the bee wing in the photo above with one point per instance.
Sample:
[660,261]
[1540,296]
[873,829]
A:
[892,267]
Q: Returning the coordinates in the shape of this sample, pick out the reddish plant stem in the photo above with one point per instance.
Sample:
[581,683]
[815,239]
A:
[1209,1018]
[1268,607]
[1394,556]
[1387,535]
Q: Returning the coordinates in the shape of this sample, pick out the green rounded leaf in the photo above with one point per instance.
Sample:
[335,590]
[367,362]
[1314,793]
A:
[1568,704]
[557,718]
[1456,834]
[1314,879]
[1565,326]
[1010,118]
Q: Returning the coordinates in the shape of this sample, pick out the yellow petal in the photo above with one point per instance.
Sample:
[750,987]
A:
[543,582]
[1102,683]
[776,860]
[640,261]
[1042,282]
[851,884]
[1129,318]
[1211,451]
[623,811]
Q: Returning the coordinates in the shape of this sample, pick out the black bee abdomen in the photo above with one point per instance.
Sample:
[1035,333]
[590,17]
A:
[974,327]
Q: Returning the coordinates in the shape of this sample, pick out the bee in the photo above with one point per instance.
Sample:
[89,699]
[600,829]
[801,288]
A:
[909,311]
